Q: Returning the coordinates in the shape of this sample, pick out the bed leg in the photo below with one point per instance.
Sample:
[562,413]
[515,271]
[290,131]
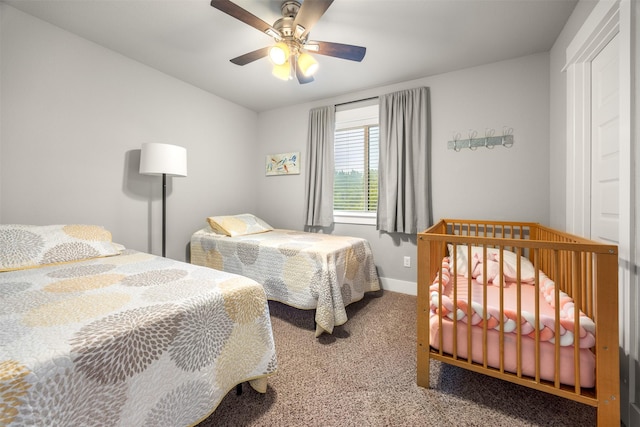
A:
[239,389]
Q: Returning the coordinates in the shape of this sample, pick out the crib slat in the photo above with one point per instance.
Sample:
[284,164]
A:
[501,338]
[576,273]
[589,293]
[469,306]
[484,305]
[584,306]
[537,308]
[454,277]
[440,307]
[518,329]
[556,299]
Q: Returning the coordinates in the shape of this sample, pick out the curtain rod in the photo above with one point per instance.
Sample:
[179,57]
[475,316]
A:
[357,100]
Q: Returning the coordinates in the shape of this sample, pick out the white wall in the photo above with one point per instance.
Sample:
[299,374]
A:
[1,13]
[503,183]
[73,118]
[79,113]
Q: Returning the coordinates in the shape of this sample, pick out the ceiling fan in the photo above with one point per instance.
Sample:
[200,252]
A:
[290,53]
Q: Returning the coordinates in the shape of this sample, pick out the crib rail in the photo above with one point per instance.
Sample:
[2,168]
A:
[583,269]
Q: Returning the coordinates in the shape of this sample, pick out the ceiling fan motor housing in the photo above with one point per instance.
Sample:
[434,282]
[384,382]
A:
[290,8]
[286,24]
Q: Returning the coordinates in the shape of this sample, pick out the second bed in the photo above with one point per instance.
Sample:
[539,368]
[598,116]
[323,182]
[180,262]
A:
[303,270]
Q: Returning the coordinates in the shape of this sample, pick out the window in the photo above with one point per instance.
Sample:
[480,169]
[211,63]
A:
[355,188]
[355,185]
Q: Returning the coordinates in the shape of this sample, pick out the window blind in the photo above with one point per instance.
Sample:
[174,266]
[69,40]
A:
[356,169]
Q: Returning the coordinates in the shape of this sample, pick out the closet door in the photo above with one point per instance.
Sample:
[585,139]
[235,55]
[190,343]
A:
[605,144]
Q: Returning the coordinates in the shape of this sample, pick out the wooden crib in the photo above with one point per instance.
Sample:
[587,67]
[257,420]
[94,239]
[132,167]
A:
[584,270]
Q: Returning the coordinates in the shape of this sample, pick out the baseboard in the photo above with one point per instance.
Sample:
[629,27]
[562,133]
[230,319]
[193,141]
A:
[634,418]
[401,286]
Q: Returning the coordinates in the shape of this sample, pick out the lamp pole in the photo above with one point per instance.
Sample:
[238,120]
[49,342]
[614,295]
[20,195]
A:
[164,213]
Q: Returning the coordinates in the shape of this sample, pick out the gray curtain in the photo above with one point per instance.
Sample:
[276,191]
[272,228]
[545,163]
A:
[404,199]
[320,167]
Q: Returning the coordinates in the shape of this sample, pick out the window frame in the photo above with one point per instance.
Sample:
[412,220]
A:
[359,117]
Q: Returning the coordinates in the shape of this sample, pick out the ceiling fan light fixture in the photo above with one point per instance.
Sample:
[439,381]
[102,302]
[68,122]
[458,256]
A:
[282,71]
[279,53]
[307,64]
[290,53]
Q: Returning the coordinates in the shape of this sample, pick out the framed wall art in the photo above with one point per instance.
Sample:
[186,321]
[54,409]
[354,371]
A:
[283,164]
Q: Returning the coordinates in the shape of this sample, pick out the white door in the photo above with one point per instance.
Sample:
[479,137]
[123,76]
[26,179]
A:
[605,172]
[605,144]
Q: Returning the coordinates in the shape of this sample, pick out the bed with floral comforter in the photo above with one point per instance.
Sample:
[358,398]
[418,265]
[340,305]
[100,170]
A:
[92,334]
[304,270]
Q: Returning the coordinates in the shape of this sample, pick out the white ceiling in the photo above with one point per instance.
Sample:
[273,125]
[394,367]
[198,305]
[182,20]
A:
[405,40]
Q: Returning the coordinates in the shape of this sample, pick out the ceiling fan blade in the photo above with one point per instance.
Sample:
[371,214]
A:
[302,79]
[243,15]
[310,12]
[251,56]
[338,50]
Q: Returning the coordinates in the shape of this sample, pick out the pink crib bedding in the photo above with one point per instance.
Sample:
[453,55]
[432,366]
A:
[547,371]
[491,315]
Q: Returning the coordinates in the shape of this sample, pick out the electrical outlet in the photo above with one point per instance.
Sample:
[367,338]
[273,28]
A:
[407,261]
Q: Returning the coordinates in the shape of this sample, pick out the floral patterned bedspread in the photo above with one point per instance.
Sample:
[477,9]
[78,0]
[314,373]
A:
[129,340]
[304,270]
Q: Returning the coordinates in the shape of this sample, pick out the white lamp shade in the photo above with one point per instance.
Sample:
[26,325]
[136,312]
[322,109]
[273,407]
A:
[158,159]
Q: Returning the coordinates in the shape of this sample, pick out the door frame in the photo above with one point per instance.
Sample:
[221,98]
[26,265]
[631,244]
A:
[601,26]
[608,19]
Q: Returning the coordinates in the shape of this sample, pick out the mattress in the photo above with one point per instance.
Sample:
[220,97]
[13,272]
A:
[130,339]
[490,315]
[510,355]
[304,270]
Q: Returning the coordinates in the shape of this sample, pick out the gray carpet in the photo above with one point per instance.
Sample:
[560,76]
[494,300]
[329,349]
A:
[364,375]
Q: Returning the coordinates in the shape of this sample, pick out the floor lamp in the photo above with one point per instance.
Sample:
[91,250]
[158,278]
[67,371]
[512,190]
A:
[163,159]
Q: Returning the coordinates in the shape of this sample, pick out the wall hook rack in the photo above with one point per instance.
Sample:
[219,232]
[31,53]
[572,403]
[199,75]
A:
[489,140]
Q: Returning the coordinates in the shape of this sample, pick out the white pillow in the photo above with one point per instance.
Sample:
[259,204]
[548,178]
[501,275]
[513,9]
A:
[527,270]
